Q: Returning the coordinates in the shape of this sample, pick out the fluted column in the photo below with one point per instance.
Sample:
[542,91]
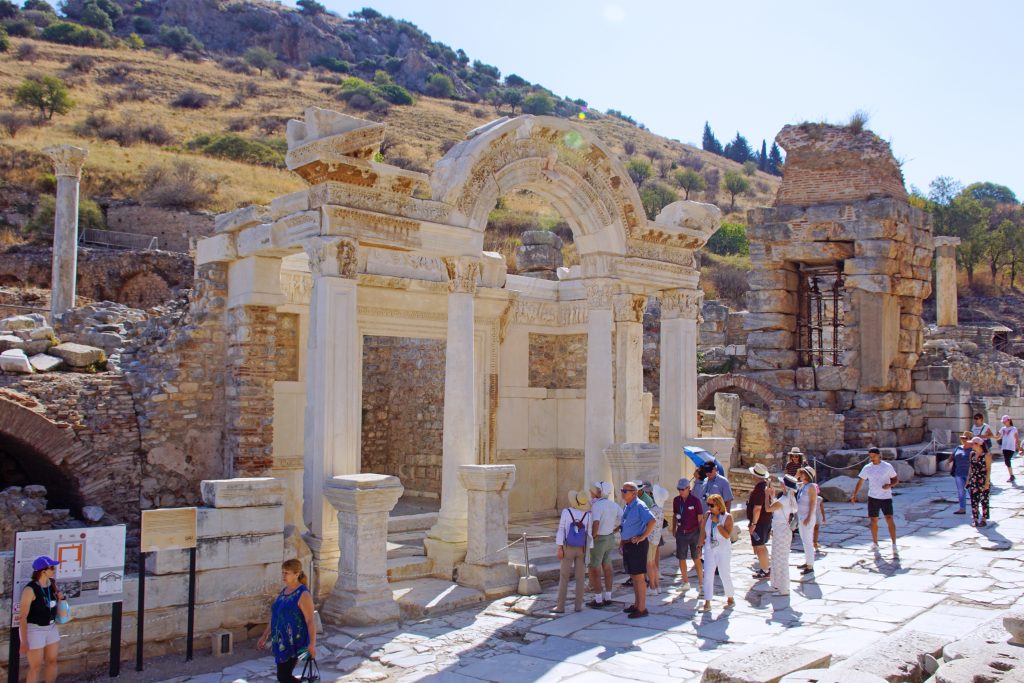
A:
[333,395]
[630,426]
[67,161]
[680,314]
[599,406]
[446,541]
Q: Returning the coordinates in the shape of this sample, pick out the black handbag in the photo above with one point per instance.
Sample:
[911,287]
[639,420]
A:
[310,672]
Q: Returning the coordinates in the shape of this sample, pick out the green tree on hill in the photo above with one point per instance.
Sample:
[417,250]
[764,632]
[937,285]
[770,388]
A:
[738,150]
[48,94]
[689,181]
[735,183]
[310,7]
[439,85]
[639,171]
[656,197]
[260,58]
[710,143]
[538,104]
[775,160]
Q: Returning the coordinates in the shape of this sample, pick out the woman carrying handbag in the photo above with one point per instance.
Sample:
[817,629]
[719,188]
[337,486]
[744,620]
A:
[291,632]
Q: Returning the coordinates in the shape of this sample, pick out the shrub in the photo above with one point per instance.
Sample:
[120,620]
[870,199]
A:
[331,64]
[730,282]
[538,104]
[90,215]
[193,99]
[20,27]
[269,125]
[126,132]
[237,148]
[259,58]
[8,9]
[66,33]
[182,186]
[480,113]
[655,197]
[629,147]
[5,42]
[82,64]
[439,85]
[239,124]
[394,93]
[11,122]
[26,52]
[135,42]
[749,168]
[37,5]
[639,171]
[310,7]
[38,18]
[179,39]
[731,238]
[143,25]
[93,15]
[48,94]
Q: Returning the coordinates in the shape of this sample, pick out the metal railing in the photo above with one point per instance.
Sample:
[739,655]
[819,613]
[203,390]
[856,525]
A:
[119,240]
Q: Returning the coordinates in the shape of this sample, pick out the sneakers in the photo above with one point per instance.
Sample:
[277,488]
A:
[961,511]
[627,582]
[874,547]
[630,609]
[594,604]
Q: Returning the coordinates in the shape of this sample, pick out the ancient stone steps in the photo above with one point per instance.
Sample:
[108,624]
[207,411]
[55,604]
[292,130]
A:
[409,568]
[426,597]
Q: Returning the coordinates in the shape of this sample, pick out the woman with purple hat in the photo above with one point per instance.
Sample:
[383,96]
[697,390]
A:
[37,625]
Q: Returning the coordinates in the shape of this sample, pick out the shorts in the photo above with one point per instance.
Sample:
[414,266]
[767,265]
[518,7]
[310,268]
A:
[601,552]
[634,557]
[1007,456]
[41,636]
[652,551]
[686,545]
[763,531]
[876,505]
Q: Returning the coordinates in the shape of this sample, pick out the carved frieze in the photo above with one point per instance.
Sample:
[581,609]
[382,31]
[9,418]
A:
[333,257]
[371,228]
[67,159]
[297,287]
[549,313]
[463,272]
[378,201]
[599,293]
[681,303]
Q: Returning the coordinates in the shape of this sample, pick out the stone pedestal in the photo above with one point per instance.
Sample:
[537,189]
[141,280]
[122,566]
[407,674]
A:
[446,541]
[633,461]
[945,281]
[67,161]
[680,310]
[599,430]
[362,594]
[486,567]
[629,369]
[333,394]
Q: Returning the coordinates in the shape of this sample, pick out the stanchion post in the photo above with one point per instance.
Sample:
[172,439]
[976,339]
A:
[191,603]
[140,612]
[115,640]
[14,656]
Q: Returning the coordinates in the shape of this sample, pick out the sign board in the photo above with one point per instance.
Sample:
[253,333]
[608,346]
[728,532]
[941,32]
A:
[91,570]
[168,529]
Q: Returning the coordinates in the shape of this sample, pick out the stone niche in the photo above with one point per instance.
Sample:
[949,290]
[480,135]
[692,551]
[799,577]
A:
[840,270]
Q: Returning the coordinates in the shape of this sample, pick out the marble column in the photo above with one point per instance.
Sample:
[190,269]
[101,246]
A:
[486,567]
[362,595]
[630,426]
[446,540]
[333,393]
[599,420]
[945,281]
[680,314]
[67,161]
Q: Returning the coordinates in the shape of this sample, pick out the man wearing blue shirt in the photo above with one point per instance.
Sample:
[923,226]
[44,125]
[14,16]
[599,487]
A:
[637,526]
[961,466]
[716,483]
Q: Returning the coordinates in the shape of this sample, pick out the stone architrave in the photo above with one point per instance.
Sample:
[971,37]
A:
[362,595]
[599,427]
[333,402]
[67,161]
[486,567]
[680,316]
[630,426]
[446,540]
[945,281]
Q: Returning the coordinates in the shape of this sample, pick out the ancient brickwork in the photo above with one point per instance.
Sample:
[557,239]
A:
[558,361]
[403,410]
[251,363]
[174,229]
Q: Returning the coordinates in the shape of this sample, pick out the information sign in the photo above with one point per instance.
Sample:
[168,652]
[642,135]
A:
[168,529]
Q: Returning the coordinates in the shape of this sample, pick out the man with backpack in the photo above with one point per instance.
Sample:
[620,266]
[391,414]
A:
[573,538]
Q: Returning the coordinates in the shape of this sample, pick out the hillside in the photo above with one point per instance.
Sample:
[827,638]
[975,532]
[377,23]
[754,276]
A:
[137,110]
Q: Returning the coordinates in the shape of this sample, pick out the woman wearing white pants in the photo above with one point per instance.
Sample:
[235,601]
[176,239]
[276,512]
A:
[806,509]
[715,534]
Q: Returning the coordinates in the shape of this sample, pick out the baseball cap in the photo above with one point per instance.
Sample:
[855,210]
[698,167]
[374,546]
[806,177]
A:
[43,562]
[874,449]
[683,483]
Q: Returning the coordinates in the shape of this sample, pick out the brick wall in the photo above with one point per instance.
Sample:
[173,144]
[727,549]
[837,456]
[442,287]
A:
[173,229]
[558,361]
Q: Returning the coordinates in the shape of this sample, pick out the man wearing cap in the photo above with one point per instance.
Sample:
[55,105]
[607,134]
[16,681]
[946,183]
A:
[37,625]
[882,479]
[716,483]
[685,527]
[637,526]
[759,520]
[606,515]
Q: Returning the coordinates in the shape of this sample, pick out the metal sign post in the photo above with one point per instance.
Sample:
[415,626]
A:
[167,529]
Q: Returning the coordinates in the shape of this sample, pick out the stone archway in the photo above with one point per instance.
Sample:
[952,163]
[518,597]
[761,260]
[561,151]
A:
[761,390]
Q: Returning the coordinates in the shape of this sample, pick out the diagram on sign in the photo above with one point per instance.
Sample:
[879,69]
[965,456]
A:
[70,556]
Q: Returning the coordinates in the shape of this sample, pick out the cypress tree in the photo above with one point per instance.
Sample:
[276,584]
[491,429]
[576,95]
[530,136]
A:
[775,160]
[710,142]
[762,158]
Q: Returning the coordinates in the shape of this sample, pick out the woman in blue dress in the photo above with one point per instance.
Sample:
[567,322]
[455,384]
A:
[290,631]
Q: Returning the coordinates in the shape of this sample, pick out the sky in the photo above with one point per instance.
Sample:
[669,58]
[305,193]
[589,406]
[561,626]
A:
[942,81]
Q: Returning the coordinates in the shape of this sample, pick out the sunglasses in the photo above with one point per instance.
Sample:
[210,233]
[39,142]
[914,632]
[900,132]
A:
[627,490]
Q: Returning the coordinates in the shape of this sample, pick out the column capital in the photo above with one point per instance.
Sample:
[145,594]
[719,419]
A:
[67,159]
[463,272]
[681,303]
[629,308]
[487,477]
[599,293]
[333,257]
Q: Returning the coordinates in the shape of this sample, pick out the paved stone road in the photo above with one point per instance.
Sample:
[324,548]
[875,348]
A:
[949,579]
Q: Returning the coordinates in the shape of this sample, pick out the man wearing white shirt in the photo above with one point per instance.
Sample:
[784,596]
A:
[881,478]
[607,516]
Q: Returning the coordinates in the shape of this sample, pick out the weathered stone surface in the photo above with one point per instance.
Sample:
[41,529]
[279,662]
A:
[904,470]
[78,355]
[545,237]
[832,674]
[897,658]
[42,362]
[761,664]
[835,377]
[998,666]
[805,379]
[925,465]
[839,489]
[537,257]
[93,513]
[242,492]
[10,341]
[15,360]
[1014,623]
[22,322]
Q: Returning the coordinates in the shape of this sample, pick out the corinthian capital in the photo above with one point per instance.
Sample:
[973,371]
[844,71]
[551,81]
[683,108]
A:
[681,303]
[333,257]
[629,308]
[67,159]
[599,293]
[463,272]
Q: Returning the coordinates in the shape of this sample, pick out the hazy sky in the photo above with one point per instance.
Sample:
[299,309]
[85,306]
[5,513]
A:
[941,80]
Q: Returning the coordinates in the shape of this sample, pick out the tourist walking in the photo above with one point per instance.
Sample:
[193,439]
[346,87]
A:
[806,512]
[687,512]
[1010,440]
[759,520]
[605,516]
[979,481]
[637,526]
[794,461]
[291,632]
[782,506]
[882,479]
[982,429]
[961,467]
[37,622]
[573,538]
[715,534]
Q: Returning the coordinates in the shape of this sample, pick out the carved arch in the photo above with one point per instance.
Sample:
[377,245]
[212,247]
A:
[763,391]
[559,161]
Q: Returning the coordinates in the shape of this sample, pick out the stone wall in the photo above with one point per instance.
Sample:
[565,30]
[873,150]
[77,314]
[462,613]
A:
[558,361]
[141,279]
[174,229]
[25,509]
[403,410]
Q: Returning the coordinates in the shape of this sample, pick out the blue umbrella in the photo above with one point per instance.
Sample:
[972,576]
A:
[699,456]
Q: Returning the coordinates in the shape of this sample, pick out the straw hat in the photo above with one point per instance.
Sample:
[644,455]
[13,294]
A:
[808,472]
[579,500]
[795,450]
[759,471]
